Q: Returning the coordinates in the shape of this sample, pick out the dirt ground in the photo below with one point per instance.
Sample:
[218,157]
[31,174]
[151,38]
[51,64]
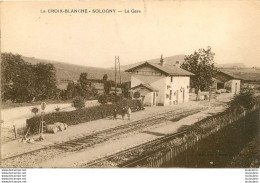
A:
[15,147]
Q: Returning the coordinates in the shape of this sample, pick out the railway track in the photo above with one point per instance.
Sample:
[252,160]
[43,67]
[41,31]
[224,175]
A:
[104,135]
[119,159]
[32,158]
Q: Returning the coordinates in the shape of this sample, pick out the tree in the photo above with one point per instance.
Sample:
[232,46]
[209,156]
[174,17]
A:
[83,80]
[116,98]
[94,91]
[84,86]
[35,110]
[125,90]
[17,79]
[45,81]
[200,63]
[107,87]
[22,81]
[71,90]
[244,100]
[102,99]
[105,77]
[137,95]
[78,102]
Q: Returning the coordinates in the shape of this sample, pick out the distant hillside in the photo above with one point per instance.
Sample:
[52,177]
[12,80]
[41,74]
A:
[231,65]
[172,60]
[168,60]
[249,74]
[238,70]
[65,72]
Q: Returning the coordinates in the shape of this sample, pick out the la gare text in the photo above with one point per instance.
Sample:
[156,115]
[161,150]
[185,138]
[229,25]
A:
[83,11]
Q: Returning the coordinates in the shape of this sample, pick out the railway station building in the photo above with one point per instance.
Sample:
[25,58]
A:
[160,83]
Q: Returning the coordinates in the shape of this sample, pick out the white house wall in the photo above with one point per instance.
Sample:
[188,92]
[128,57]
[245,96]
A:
[161,86]
[238,85]
[164,85]
[158,82]
[138,79]
[231,85]
[148,99]
[180,85]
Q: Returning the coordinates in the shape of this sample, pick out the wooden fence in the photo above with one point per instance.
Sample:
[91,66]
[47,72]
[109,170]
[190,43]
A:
[198,131]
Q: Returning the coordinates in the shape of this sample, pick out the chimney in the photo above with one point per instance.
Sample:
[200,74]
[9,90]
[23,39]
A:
[162,61]
[177,63]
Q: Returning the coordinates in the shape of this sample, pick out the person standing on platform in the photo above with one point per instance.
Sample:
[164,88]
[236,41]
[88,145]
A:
[129,113]
[123,112]
[114,114]
[197,94]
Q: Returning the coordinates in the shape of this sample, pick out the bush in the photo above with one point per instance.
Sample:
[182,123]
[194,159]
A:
[35,110]
[83,115]
[135,105]
[102,99]
[137,95]
[244,100]
[115,98]
[57,109]
[71,117]
[78,103]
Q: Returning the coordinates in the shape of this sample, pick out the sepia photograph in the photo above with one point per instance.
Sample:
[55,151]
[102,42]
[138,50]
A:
[130,84]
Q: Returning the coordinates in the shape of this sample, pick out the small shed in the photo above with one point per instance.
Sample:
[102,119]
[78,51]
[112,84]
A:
[148,93]
[227,81]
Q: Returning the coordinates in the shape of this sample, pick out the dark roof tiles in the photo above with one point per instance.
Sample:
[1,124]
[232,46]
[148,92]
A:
[167,69]
[145,85]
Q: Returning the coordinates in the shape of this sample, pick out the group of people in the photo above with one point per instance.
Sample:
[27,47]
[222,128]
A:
[124,111]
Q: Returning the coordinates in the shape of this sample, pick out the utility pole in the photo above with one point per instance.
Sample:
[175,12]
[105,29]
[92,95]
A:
[116,58]
[119,71]
[117,61]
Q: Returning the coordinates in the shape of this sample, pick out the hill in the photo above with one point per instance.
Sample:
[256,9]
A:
[66,72]
[247,74]
[172,61]
[239,70]
[231,65]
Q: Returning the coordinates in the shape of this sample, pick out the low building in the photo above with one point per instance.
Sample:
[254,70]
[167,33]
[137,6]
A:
[148,94]
[226,81]
[250,77]
[159,83]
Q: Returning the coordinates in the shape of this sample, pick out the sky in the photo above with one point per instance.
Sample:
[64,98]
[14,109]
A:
[231,28]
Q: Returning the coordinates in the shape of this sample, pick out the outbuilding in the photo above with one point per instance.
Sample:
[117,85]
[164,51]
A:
[227,81]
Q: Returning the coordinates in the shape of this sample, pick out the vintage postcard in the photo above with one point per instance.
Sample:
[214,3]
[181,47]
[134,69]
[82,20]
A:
[130,84]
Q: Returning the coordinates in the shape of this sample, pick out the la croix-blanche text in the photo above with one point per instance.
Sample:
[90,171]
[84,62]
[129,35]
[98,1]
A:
[82,11]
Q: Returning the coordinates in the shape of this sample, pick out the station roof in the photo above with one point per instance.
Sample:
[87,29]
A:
[166,69]
[145,85]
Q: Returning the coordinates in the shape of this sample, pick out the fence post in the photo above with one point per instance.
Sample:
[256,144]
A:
[15,132]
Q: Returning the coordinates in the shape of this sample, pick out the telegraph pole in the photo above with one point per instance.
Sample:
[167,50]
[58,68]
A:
[119,71]
[117,62]
[115,76]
